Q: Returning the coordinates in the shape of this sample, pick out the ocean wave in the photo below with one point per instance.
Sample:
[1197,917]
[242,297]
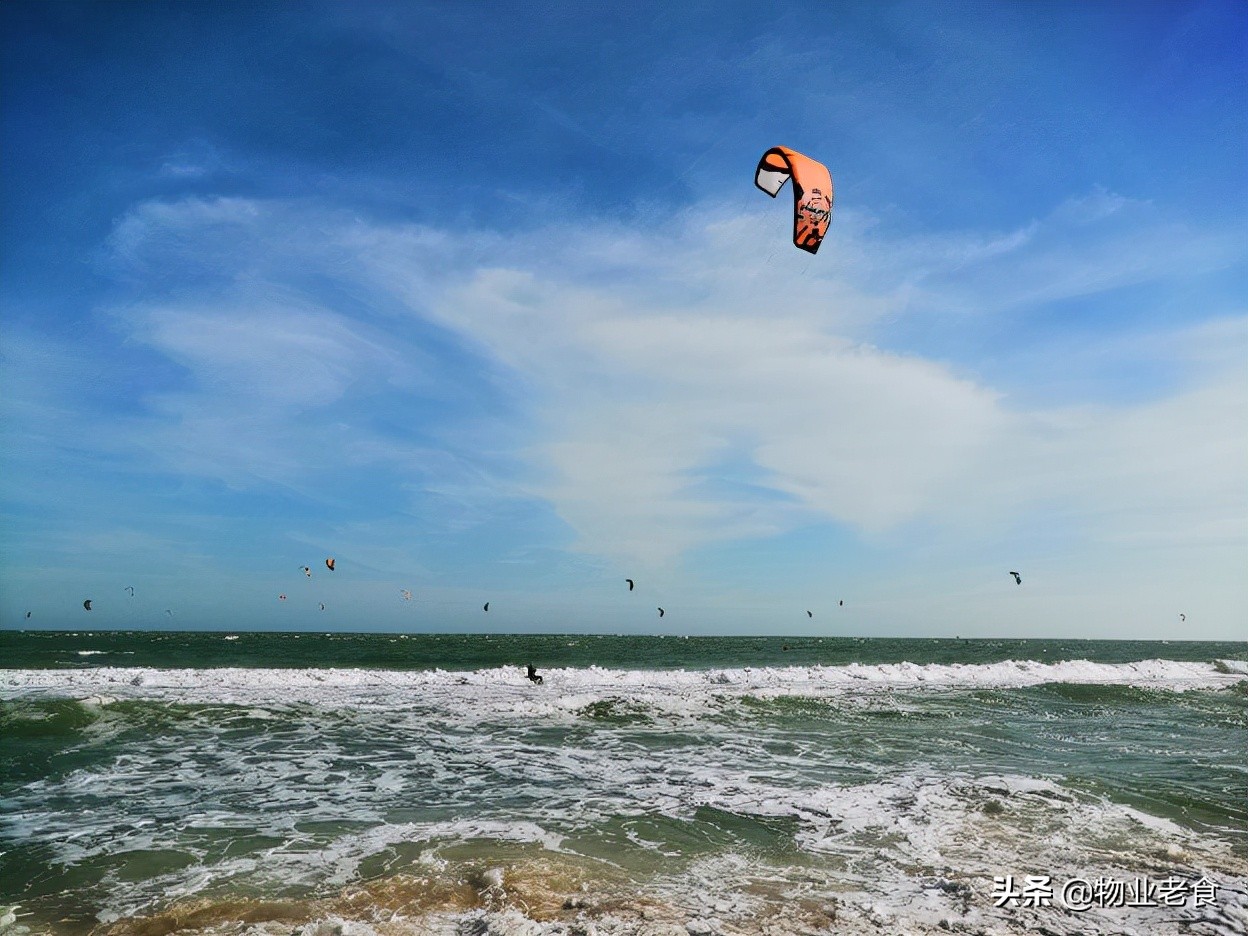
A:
[382,803]
[913,854]
[578,689]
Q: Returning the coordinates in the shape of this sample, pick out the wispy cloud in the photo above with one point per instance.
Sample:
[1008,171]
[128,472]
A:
[643,363]
[1083,248]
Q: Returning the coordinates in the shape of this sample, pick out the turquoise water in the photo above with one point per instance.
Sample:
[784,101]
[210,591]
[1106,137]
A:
[186,782]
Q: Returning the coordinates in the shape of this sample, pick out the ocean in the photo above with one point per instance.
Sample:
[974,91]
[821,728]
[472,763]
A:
[386,784]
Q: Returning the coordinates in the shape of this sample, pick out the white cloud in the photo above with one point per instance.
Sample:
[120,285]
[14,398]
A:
[278,356]
[1084,248]
[648,362]
[196,159]
[262,383]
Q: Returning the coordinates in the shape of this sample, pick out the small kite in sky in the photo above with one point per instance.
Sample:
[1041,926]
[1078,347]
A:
[661,612]
[1018,579]
[129,589]
[486,607]
[405,594]
[1182,617]
[28,614]
[169,612]
[281,597]
[87,604]
[812,192]
[322,606]
[630,584]
[306,571]
[329,563]
[809,615]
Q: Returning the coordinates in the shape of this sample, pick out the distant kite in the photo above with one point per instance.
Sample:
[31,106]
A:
[630,584]
[28,614]
[842,604]
[87,604]
[1182,617]
[1018,579]
[486,607]
[168,612]
[130,589]
[329,563]
[322,606]
[281,597]
[661,612]
[407,595]
[809,615]
[306,571]
[812,192]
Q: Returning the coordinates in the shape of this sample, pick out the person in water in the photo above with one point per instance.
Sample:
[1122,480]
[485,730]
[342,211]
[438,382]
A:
[532,674]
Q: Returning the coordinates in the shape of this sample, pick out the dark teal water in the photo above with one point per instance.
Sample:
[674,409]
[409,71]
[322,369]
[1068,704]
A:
[52,649]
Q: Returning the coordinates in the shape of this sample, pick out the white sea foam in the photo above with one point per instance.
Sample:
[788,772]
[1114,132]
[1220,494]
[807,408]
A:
[914,854]
[351,770]
[504,691]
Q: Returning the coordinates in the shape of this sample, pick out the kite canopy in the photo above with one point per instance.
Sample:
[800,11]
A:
[812,192]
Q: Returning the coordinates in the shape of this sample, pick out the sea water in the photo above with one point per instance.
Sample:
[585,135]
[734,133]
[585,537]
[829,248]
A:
[319,784]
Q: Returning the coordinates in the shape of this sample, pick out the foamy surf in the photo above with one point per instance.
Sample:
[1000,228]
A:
[505,690]
[519,891]
[880,797]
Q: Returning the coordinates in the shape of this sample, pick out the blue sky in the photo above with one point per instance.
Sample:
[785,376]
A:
[484,304]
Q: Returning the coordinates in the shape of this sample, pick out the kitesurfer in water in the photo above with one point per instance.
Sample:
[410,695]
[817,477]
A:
[532,674]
